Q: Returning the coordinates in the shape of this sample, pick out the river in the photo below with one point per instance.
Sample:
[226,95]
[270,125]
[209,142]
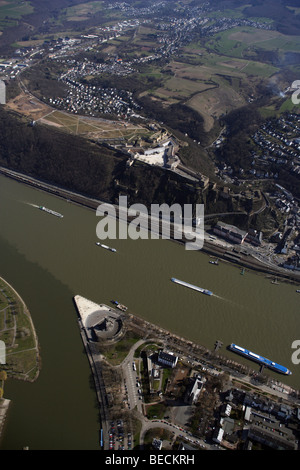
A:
[48,260]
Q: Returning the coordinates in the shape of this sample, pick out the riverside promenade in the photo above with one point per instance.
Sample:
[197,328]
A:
[85,309]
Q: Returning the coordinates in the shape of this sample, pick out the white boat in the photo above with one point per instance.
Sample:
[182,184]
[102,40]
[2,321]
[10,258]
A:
[191,286]
[120,306]
[106,247]
[50,211]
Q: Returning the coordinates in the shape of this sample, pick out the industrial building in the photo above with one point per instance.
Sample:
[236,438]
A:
[230,232]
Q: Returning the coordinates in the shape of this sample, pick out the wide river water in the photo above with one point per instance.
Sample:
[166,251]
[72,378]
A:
[48,260]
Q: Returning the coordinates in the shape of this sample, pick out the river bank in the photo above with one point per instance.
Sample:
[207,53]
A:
[49,260]
[227,254]
[26,362]
[191,356]
[4,407]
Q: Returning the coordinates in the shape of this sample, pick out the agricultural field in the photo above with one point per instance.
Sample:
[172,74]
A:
[213,86]
[220,73]
[238,42]
[214,103]
[13,10]
[94,128]
[82,11]
[211,73]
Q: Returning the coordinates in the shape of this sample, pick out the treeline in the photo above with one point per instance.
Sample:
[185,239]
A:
[284,18]
[134,82]
[92,170]
[238,149]
[42,80]
[176,116]
[241,123]
[56,157]
[36,22]
[286,21]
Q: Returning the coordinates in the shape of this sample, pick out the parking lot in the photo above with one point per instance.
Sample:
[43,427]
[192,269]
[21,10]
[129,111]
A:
[132,386]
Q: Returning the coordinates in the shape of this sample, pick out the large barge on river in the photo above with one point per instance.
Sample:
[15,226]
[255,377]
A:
[259,359]
[50,211]
[191,286]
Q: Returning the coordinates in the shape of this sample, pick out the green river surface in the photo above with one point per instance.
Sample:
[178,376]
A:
[48,260]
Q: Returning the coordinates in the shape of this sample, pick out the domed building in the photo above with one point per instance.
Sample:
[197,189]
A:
[101,323]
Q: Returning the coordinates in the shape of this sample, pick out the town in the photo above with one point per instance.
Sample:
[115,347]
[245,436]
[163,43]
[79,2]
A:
[167,393]
[276,148]
[151,90]
[76,62]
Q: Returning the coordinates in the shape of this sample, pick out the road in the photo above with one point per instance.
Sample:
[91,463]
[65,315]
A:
[212,246]
[131,377]
[175,430]
[135,399]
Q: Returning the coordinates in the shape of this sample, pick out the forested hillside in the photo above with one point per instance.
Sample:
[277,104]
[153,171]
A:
[81,166]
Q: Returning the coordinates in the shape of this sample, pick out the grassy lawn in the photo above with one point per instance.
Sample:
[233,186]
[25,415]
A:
[17,332]
[156,411]
[116,353]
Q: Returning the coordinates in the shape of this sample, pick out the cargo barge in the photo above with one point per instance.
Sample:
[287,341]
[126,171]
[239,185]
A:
[106,247]
[259,359]
[191,286]
[50,211]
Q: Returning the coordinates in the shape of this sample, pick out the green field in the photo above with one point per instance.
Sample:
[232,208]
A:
[102,129]
[210,83]
[13,10]
[17,332]
[212,75]
[82,11]
[238,41]
[218,74]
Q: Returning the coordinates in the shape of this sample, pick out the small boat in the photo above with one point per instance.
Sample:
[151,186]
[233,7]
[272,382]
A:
[215,262]
[106,247]
[298,290]
[243,271]
[121,307]
[275,281]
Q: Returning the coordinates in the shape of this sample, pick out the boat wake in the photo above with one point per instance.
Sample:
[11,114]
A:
[218,297]
[232,302]
[30,204]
